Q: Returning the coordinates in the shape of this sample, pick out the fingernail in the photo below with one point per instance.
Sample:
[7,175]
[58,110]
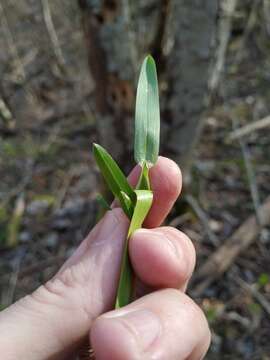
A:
[144,324]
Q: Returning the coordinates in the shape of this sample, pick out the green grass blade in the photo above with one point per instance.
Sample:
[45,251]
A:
[129,206]
[147,115]
[115,178]
[125,287]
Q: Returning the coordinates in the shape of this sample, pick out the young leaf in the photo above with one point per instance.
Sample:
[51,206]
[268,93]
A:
[125,287]
[115,179]
[135,203]
[147,118]
[129,206]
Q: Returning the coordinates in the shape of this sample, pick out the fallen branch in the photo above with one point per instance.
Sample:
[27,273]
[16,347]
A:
[53,35]
[253,290]
[8,296]
[247,129]
[224,35]
[203,218]
[5,114]
[223,257]
[251,176]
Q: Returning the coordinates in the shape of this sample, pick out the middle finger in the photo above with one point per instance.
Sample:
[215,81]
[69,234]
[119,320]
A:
[162,257]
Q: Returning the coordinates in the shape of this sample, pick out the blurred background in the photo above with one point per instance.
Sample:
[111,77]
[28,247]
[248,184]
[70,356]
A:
[68,74]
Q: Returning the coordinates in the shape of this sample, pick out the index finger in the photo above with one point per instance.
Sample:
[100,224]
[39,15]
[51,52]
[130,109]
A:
[166,183]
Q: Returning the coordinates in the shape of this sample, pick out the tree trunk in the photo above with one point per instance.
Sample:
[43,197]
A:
[180,35]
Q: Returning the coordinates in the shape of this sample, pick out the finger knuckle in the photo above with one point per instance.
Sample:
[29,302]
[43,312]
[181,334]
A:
[187,247]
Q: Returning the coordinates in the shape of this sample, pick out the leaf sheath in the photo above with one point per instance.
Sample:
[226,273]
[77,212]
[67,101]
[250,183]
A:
[141,209]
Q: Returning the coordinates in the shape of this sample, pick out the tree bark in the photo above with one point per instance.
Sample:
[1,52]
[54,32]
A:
[180,35]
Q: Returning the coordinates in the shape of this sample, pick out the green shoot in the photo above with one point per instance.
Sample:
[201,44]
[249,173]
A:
[135,203]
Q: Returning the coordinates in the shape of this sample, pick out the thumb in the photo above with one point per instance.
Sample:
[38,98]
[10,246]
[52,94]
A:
[57,316]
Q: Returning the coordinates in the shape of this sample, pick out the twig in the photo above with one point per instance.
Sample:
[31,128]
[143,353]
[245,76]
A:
[224,256]
[247,129]
[53,35]
[8,298]
[15,222]
[64,188]
[251,22]
[234,316]
[6,115]
[179,220]
[224,37]
[203,218]
[252,289]
[251,179]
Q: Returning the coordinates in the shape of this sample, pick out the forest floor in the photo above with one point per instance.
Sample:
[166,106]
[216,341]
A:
[49,183]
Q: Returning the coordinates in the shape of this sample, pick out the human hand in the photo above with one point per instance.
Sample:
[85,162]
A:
[55,320]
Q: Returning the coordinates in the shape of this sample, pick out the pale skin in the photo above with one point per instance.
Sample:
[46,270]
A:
[164,323]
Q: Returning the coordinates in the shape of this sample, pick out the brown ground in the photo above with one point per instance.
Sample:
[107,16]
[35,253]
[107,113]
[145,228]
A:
[47,171]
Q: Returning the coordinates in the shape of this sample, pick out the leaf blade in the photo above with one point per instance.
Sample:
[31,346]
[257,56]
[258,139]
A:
[114,178]
[147,115]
